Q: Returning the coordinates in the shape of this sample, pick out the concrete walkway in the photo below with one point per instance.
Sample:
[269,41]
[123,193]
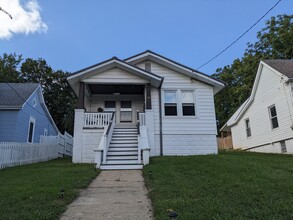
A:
[112,195]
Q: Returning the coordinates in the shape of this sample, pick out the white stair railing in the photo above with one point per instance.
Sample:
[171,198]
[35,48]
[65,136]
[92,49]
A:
[101,152]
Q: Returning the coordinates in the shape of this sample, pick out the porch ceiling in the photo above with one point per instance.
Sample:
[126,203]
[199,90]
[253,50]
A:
[111,89]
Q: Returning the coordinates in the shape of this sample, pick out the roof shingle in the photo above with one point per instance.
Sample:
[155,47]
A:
[283,66]
[14,95]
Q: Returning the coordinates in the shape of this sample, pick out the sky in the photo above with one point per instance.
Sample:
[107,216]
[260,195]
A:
[74,34]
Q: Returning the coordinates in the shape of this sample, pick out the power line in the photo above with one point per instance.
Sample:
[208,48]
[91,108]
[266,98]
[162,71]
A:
[239,36]
[1,9]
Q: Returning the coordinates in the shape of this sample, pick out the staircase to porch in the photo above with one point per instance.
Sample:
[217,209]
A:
[123,149]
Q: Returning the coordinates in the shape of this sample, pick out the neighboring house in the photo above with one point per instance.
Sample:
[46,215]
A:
[264,122]
[24,116]
[173,104]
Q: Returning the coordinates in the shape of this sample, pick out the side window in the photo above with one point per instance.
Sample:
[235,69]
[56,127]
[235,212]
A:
[170,103]
[273,116]
[247,126]
[187,103]
[45,132]
[31,130]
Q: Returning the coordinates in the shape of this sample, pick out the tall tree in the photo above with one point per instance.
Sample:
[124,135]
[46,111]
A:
[9,64]
[275,41]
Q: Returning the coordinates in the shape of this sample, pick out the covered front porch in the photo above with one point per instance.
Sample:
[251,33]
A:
[114,119]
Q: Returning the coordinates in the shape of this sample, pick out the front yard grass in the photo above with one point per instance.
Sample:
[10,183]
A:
[231,185]
[33,191]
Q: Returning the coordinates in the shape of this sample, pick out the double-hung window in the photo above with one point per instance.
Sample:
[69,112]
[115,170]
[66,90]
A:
[170,103]
[273,116]
[187,103]
[247,126]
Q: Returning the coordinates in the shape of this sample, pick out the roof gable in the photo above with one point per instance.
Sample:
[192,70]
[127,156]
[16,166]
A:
[74,78]
[14,95]
[177,67]
[276,66]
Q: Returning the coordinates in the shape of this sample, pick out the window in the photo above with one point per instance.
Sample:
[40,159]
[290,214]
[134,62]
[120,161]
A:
[31,130]
[45,132]
[187,103]
[34,102]
[110,104]
[170,101]
[247,126]
[125,104]
[148,66]
[283,147]
[273,116]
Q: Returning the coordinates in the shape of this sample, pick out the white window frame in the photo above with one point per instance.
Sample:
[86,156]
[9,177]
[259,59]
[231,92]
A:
[271,118]
[45,132]
[34,102]
[181,102]
[33,120]
[247,128]
[176,102]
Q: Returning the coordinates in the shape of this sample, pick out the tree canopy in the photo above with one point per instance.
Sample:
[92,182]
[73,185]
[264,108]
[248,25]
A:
[275,41]
[58,95]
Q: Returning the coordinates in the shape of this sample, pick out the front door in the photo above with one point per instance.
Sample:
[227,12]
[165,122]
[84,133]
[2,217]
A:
[126,112]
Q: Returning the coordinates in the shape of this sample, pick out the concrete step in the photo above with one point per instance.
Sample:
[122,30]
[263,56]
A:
[124,137]
[119,141]
[123,153]
[121,149]
[121,167]
[110,162]
[125,129]
[123,145]
[121,157]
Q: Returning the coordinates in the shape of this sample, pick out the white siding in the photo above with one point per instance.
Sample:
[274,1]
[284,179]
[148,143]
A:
[115,75]
[181,133]
[271,90]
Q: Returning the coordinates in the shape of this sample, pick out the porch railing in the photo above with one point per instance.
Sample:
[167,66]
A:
[96,120]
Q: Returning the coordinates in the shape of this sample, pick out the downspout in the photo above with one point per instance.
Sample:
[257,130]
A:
[160,115]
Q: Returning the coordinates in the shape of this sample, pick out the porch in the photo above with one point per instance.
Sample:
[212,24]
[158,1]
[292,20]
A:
[111,127]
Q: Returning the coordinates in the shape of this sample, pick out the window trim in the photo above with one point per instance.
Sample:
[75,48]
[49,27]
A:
[171,103]
[179,104]
[193,103]
[32,120]
[45,132]
[271,118]
[247,128]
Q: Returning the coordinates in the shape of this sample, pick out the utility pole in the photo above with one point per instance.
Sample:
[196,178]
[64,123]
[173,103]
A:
[1,9]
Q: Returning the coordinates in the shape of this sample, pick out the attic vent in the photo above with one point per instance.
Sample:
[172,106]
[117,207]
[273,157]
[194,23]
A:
[148,66]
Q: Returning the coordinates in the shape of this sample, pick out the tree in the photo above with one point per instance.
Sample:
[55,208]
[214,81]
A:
[58,95]
[9,64]
[275,41]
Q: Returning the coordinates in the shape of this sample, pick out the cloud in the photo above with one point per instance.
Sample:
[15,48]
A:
[26,18]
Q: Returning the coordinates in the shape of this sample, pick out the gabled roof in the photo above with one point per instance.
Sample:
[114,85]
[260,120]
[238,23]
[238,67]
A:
[14,95]
[157,58]
[285,67]
[74,78]
[281,67]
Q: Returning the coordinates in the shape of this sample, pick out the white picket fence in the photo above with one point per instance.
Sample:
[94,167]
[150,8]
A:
[50,147]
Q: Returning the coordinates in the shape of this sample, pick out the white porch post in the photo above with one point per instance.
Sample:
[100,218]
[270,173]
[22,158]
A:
[77,141]
[150,125]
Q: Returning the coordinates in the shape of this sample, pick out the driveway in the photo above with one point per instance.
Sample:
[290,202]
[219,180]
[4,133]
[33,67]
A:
[117,194]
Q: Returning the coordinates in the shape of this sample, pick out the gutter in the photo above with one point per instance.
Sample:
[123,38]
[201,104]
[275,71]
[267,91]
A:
[160,116]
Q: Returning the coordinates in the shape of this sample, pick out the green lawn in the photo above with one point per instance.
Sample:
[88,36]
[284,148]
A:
[231,185]
[33,191]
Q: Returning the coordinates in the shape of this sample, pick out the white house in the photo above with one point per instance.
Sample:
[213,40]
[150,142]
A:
[145,105]
[264,122]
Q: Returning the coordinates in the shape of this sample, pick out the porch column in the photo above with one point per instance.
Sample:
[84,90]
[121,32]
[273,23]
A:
[80,104]
[148,96]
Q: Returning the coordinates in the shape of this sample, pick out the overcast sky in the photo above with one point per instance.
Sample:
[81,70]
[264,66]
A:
[74,34]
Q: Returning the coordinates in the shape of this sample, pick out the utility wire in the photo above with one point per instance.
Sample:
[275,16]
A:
[26,100]
[239,36]
[1,9]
